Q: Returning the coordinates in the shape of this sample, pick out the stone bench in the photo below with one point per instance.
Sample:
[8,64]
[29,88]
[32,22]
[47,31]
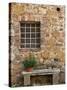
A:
[53,72]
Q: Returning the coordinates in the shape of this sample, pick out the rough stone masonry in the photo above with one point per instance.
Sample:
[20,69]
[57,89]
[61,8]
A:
[52,34]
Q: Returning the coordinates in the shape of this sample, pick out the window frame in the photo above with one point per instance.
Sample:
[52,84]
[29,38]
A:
[30,48]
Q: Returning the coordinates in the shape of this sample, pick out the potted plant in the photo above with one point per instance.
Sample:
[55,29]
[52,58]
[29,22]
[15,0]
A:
[29,62]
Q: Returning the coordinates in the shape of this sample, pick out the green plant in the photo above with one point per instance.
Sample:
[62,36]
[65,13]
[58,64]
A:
[29,61]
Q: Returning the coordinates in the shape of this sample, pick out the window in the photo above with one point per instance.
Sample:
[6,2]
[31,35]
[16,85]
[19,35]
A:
[30,34]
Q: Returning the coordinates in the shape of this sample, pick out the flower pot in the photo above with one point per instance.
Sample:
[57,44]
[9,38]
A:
[29,69]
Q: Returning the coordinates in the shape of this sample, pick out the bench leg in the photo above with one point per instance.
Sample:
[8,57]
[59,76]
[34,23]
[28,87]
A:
[56,78]
[26,80]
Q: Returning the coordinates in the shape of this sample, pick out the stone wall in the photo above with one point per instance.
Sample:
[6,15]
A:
[52,33]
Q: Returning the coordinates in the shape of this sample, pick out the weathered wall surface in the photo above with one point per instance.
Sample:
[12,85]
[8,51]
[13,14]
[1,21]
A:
[52,34]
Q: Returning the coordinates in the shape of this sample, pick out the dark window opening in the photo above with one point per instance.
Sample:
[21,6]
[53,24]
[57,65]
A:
[30,34]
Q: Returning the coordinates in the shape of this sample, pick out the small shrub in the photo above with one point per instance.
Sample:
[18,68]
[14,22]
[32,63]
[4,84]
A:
[29,61]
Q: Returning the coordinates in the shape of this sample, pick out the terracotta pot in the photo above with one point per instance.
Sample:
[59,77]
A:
[28,69]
